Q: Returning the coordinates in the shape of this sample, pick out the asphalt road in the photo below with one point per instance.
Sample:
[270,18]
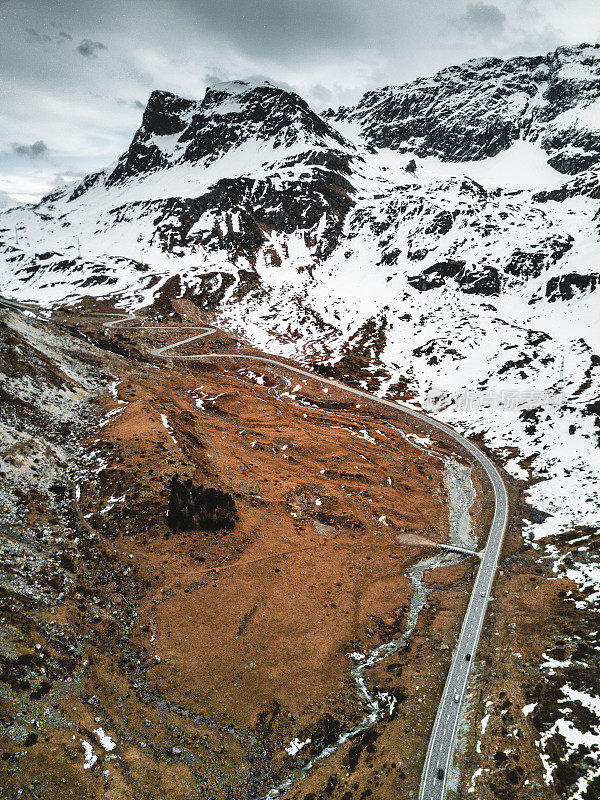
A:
[13,305]
[443,736]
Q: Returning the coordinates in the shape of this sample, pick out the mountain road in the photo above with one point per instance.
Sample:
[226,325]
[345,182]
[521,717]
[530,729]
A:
[441,746]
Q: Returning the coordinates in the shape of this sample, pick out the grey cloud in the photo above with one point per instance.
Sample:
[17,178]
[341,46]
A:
[64,179]
[33,37]
[322,95]
[35,150]
[283,29]
[132,103]
[89,48]
[495,33]
[7,200]
[215,75]
[484,18]
[259,76]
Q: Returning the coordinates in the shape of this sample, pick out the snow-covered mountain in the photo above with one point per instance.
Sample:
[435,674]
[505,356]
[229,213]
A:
[455,180]
[438,242]
[201,182]
[479,109]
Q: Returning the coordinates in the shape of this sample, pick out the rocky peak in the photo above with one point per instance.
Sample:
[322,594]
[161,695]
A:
[175,130]
[165,114]
[478,109]
[270,111]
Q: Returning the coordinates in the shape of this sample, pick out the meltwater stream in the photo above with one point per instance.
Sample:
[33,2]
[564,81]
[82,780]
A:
[461,493]
[376,705]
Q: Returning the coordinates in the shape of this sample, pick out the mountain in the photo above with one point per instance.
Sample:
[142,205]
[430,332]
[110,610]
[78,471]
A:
[200,181]
[479,109]
[442,172]
[438,243]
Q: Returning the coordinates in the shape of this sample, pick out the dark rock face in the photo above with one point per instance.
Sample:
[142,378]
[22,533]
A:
[565,287]
[261,113]
[478,109]
[484,280]
[165,113]
[194,508]
[585,185]
[86,183]
[434,277]
[228,116]
[530,264]
[258,206]
[140,158]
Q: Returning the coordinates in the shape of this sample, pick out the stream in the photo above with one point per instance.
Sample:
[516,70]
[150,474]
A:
[461,493]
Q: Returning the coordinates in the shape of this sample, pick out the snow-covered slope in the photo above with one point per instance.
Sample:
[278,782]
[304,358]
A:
[439,242]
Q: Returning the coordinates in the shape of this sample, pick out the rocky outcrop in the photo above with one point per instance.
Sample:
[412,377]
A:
[566,287]
[176,131]
[585,185]
[531,263]
[165,114]
[231,114]
[484,279]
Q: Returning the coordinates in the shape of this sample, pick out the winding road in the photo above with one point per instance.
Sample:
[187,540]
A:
[443,736]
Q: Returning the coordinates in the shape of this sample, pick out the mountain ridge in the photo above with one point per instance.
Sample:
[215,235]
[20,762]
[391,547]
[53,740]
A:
[523,97]
[251,174]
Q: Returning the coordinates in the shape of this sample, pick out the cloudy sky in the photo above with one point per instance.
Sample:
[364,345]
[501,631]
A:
[75,74]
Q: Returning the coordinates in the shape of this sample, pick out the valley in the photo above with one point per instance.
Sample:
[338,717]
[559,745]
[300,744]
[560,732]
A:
[254,626]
